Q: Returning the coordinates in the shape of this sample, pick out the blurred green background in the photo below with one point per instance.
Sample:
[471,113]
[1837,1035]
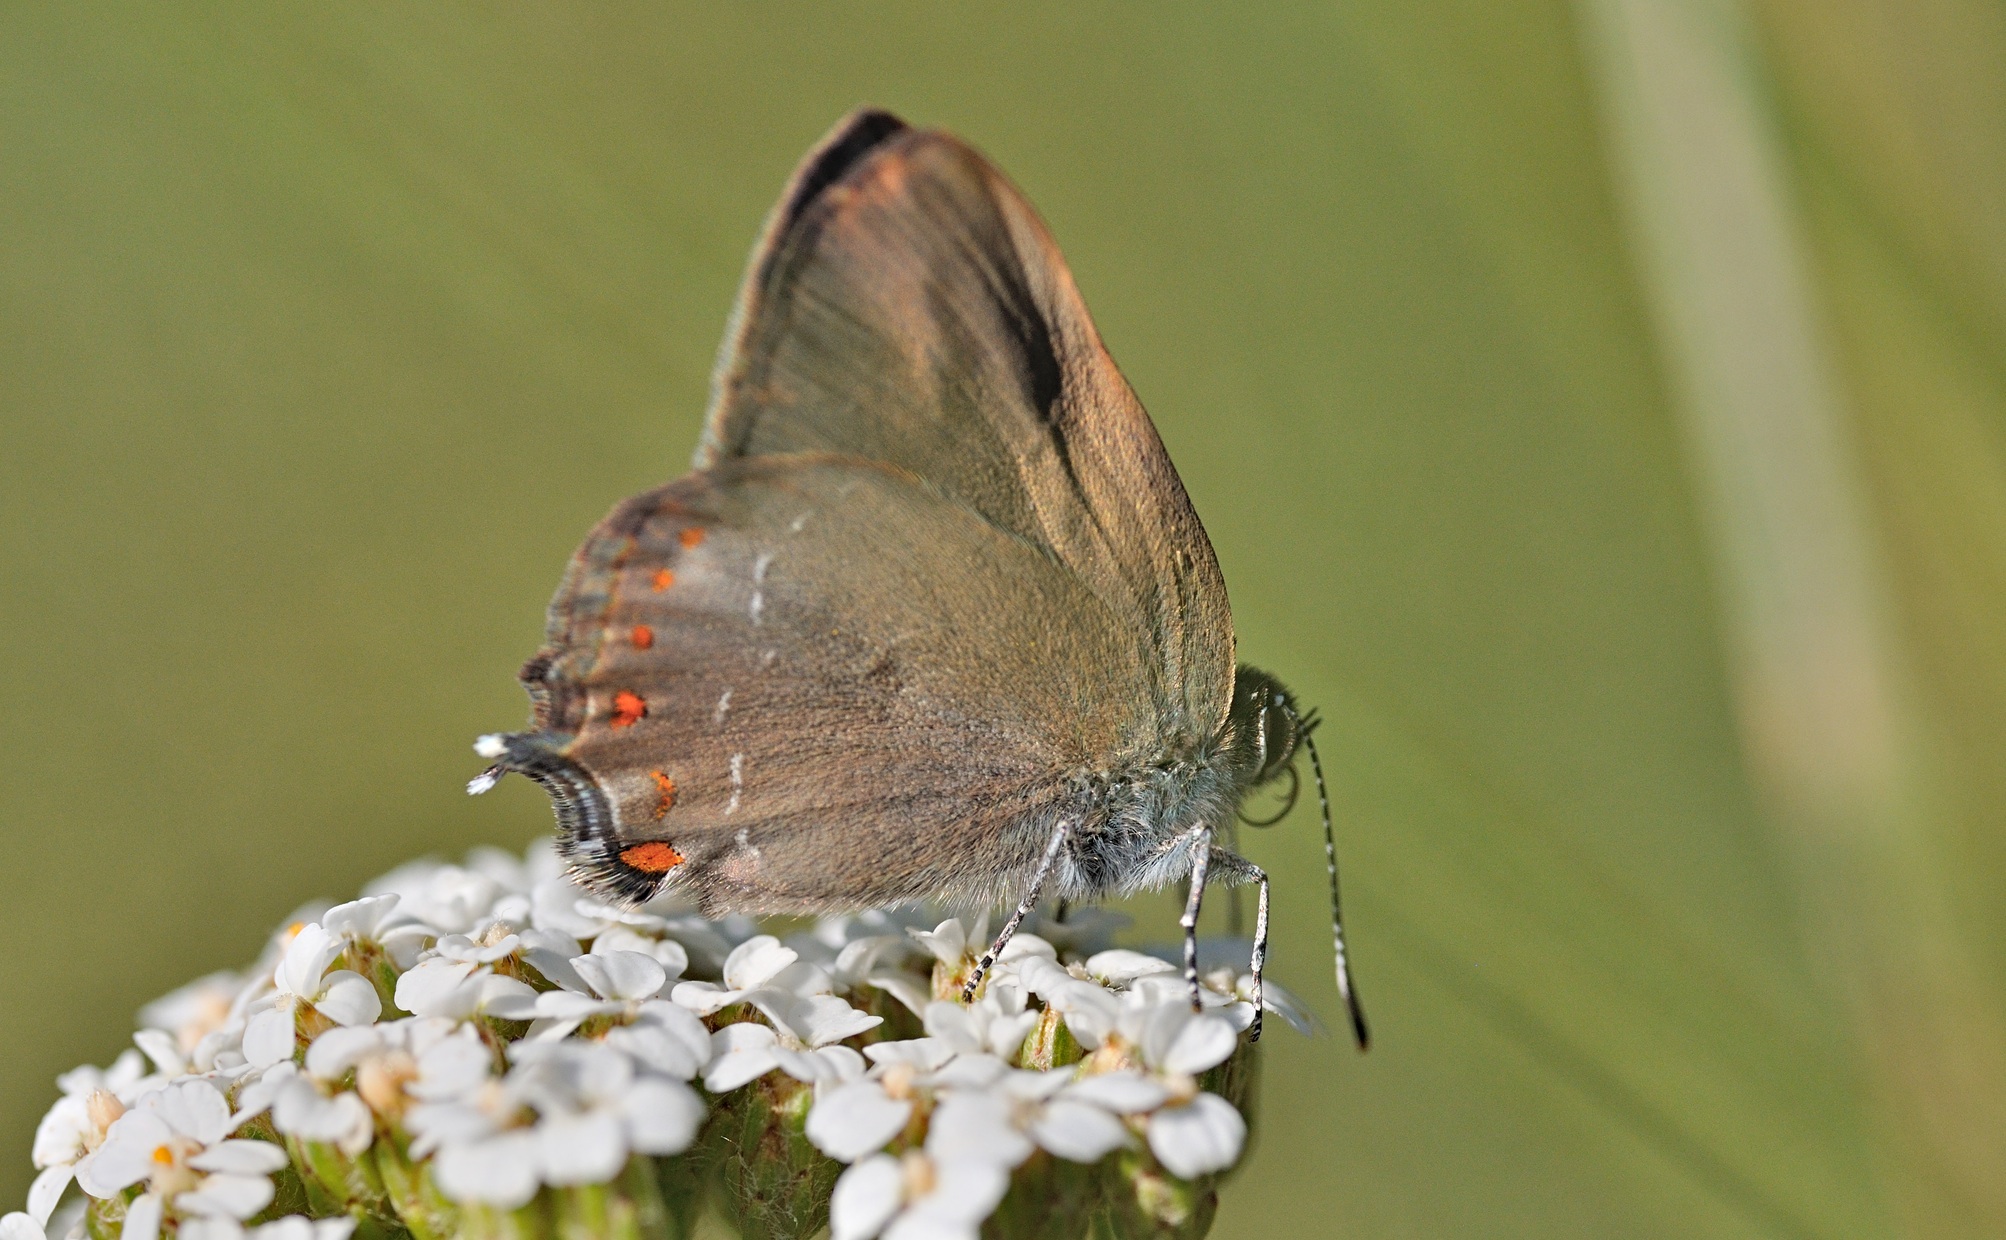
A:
[1599,410]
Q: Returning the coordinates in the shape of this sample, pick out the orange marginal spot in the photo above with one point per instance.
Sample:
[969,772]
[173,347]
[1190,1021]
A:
[653,857]
[663,579]
[691,537]
[629,708]
[642,637]
[163,1154]
[668,789]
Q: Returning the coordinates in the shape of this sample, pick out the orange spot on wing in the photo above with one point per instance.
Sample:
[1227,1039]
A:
[667,801]
[642,636]
[691,537]
[653,857]
[629,708]
[663,579]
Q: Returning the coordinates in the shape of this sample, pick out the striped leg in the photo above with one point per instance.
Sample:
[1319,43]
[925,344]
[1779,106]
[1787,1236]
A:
[1024,907]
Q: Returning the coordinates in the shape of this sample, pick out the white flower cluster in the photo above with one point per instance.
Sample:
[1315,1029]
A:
[468,1042]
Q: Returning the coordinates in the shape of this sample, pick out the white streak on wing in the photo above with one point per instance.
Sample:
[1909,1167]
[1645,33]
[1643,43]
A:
[723,705]
[757,607]
[743,840]
[794,526]
[760,565]
[767,656]
[737,781]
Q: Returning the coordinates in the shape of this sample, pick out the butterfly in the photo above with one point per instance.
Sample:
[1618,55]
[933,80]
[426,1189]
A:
[931,618]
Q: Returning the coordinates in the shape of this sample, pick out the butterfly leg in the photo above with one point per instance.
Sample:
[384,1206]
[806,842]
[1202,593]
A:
[1201,860]
[1237,869]
[1024,908]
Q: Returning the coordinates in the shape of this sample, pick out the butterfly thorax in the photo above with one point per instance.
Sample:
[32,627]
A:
[1140,815]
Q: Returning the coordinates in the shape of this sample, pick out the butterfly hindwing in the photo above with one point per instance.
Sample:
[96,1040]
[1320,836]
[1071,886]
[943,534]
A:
[767,683]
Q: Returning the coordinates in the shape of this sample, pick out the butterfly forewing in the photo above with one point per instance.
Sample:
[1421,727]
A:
[908,305]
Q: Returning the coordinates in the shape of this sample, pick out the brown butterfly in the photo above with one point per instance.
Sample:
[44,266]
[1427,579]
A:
[931,617]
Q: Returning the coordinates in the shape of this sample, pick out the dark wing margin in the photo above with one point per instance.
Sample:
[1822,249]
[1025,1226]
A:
[906,304]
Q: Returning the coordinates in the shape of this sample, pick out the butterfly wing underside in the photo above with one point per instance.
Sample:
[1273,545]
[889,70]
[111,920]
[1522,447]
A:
[933,573]
[908,305]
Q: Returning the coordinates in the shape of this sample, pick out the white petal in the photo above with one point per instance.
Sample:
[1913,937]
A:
[975,1126]
[348,999]
[866,1197]
[142,1219]
[586,1149]
[704,998]
[853,1120]
[1076,1131]
[622,975]
[947,941]
[1124,1092]
[668,953]
[756,962]
[453,1067]
[161,1047]
[46,1191]
[359,919]
[1204,1136]
[18,1226]
[969,1072]
[335,1053]
[342,1120]
[729,1071]
[126,1157]
[500,1171]
[564,1005]
[270,1036]
[658,1050]
[436,987]
[925,1054]
[194,1109]
[236,1196]
[209,1228]
[1120,966]
[1204,1042]
[498,994]
[822,1019]
[964,1194]
[662,1117]
[242,1157]
[679,1022]
[555,965]
[954,1025]
[307,957]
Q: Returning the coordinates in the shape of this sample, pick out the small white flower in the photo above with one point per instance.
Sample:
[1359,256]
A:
[860,1117]
[916,1197]
[671,955]
[753,965]
[72,1130]
[303,979]
[450,989]
[195,1011]
[664,1039]
[1022,1109]
[595,1112]
[950,942]
[1197,1132]
[450,899]
[995,1024]
[177,1141]
[19,1226]
[617,985]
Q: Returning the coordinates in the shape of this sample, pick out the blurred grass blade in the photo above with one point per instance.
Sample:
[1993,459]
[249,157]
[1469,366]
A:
[1834,728]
